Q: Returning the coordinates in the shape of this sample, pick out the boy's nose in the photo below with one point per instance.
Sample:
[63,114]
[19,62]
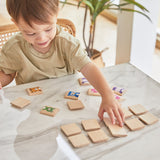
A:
[41,37]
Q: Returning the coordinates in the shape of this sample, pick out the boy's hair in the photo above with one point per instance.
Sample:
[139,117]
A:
[29,10]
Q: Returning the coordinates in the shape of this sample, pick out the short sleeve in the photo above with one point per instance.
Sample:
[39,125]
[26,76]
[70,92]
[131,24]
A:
[73,51]
[79,58]
[7,62]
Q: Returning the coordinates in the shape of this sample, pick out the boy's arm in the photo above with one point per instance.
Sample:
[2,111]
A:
[109,103]
[5,79]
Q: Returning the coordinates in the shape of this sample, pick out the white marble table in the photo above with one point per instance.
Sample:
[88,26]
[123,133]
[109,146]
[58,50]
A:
[25,134]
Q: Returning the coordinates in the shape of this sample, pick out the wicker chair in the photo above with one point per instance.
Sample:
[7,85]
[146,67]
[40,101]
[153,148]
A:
[7,31]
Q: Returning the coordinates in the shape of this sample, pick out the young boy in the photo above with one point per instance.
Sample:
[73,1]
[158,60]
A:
[43,50]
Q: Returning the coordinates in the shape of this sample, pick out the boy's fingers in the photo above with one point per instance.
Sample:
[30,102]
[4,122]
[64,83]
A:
[122,114]
[111,115]
[100,113]
[118,117]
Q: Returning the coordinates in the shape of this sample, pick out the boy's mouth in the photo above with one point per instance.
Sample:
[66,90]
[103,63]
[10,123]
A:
[42,44]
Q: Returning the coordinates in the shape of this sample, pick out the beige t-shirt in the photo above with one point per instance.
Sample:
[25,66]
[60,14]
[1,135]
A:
[64,57]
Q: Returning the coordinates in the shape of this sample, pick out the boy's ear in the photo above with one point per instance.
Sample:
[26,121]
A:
[14,21]
[58,12]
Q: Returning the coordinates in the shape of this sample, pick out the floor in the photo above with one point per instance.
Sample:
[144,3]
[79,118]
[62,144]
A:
[105,36]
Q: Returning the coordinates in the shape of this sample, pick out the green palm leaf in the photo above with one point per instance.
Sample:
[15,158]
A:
[89,4]
[136,4]
[131,10]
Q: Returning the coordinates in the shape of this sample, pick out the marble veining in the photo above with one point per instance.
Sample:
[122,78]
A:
[28,135]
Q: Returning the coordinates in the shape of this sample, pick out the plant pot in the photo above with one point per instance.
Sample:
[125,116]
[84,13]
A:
[97,58]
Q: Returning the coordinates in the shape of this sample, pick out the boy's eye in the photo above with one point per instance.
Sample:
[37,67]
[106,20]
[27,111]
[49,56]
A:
[48,29]
[30,34]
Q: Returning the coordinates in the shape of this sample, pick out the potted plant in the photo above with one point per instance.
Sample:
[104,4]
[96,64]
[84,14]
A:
[95,7]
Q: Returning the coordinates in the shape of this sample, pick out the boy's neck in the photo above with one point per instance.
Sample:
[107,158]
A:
[44,50]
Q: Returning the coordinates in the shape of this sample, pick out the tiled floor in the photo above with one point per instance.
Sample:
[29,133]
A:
[105,36]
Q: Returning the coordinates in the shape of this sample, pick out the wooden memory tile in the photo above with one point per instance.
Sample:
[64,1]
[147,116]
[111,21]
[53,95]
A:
[20,102]
[148,118]
[72,95]
[127,113]
[34,91]
[90,124]
[93,92]
[98,136]
[70,129]
[83,81]
[137,109]
[79,140]
[50,111]
[115,129]
[75,105]
[118,98]
[119,91]
[134,124]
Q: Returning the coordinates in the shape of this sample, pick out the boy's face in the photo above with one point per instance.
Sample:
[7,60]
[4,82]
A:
[39,35]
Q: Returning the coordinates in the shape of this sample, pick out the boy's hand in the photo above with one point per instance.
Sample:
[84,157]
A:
[0,85]
[109,103]
[112,107]
[5,79]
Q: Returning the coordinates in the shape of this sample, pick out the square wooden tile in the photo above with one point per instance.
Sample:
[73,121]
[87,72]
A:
[75,105]
[127,113]
[90,124]
[134,124]
[148,118]
[72,95]
[83,81]
[79,140]
[119,91]
[50,111]
[98,136]
[119,98]
[70,129]
[34,91]
[20,102]
[93,92]
[137,109]
[115,129]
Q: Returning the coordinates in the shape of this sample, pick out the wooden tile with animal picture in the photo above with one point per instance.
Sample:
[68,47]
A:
[34,91]
[50,111]
[72,95]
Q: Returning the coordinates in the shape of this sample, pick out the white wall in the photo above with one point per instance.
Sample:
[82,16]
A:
[144,37]
[3,10]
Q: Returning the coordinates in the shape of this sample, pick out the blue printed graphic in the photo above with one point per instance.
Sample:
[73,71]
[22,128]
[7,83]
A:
[74,94]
